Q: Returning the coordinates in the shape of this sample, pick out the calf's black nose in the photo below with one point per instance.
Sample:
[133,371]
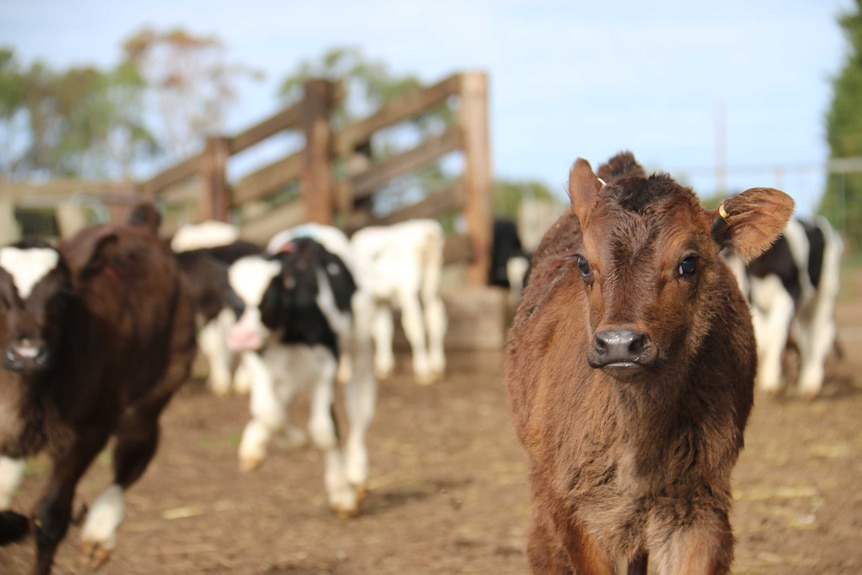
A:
[619,347]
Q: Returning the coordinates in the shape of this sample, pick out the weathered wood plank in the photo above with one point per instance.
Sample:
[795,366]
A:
[436,203]
[186,193]
[283,120]
[262,228]
[268,179]
[377,175]
[215,191]
[59,188]
[317,189]
[170,176]
[477,175]
[458,248]
[395,111]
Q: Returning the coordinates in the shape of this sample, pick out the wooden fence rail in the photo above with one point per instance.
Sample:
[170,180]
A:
[327,194]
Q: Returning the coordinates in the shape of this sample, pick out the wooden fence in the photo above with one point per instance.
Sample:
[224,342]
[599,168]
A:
[328,195]
[198,187]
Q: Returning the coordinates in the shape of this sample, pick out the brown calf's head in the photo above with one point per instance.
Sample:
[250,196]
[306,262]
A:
[34,290]
[650,264]
[40,297]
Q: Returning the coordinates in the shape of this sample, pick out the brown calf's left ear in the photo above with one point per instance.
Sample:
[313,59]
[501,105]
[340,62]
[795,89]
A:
[750,222]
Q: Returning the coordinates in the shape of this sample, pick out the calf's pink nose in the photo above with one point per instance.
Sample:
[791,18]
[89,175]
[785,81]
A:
[243,338]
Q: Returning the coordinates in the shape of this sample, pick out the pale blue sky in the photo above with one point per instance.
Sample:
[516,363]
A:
[568,78]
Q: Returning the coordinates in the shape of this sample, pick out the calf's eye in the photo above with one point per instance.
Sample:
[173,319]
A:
[583,265]
[688,266]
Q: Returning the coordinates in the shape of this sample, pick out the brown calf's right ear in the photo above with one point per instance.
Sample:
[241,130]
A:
[584,188]
[750,222]
[100,257]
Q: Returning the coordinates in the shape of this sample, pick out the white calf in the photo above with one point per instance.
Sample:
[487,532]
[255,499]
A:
[204,235]
[402,264]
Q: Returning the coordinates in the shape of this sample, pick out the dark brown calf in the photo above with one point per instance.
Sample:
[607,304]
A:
[96,336]
[630,370]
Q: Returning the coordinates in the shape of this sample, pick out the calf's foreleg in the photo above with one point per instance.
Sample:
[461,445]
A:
[13,526]
[54,510]
[324,435]
[137,438]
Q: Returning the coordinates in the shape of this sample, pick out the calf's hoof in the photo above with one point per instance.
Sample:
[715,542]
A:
[346,512]
[345,502]
[361,494]
[383,374]
[13,527]
[249,464]
[220,391]
[427,378]
[95,554]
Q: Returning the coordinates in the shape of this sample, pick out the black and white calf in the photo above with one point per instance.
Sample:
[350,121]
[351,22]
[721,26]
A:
[510,263]
[204,253]
[792,290]
[300,313]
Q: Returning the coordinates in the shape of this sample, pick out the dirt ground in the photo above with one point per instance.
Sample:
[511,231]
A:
[448,487]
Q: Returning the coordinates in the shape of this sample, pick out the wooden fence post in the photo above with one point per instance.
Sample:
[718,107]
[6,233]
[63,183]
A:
[215,192]
[478,181]
[317,182]
[121,201]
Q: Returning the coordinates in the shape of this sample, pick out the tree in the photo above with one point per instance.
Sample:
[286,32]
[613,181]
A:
[12,122]
[192,83]
[510,194]
[80,122]
[95,123]
[842,202]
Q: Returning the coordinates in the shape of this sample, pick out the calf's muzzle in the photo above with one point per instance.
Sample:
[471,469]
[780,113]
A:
[621,348]
[26,356]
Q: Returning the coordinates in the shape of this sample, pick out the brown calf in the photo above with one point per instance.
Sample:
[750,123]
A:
[630,370]
[96,336]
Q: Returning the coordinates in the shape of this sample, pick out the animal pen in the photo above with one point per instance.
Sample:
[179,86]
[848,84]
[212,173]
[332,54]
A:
[334,188]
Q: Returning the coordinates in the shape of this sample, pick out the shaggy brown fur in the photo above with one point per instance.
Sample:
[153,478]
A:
[631,445]
[116,324]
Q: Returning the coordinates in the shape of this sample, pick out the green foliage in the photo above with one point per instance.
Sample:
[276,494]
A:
[509,194]
[10,86]
[712,201]
[95,123]
[842,202]
[78,122]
